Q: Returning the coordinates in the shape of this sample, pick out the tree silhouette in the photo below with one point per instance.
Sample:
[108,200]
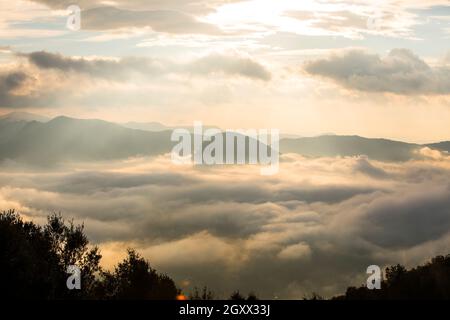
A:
[313,296]
[133,278]
[429,281]
[237,296]
[34,261]
[70,245]
[206,294]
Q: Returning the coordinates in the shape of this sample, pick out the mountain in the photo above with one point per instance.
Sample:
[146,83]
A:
[443,146]
[332,145]
[146,126]
[23,116]
[9,129]
[157,126]
[66,139]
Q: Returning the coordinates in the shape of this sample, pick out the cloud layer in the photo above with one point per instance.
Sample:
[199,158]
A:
[47,79]
[314,227]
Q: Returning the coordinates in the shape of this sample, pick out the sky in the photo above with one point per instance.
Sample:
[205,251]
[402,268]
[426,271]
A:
[371,68]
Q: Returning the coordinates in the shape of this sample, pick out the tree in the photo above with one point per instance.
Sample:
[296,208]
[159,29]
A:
[71,246]
[313,296]
[34,261]
[206,294]
[237,296]
[429,281]
[133,278]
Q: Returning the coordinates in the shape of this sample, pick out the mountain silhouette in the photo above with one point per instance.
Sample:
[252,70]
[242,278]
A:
[68,139]
[65,139]
[23,116]
[330,146]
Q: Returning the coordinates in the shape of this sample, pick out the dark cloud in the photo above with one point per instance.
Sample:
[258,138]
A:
[92,182]
[221,219]
[9,82]
[346,21]
[12,81]
[17,90]
[414,218]
[327,194]
[400,72]
[364,166]
[258,194]
[114,69]
[229,65]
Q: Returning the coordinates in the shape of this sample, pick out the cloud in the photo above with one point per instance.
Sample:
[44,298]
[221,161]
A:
[200,248]
[22,88]
[403,222]
[447,58]
[5,49]
[173,16]
[47,79]
[12,81]
[363,18]
[18,90]
[433,154]
[97,67]
[91,182]
[240,227]
[110,18]
[295,251]
[363,165]
[228,65]
[400,72]
[192,6]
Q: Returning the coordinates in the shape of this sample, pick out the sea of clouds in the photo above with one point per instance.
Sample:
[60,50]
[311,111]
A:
[313,227]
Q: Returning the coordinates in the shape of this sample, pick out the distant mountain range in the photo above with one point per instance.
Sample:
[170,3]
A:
[146,126]
[31,139]
[24,116]
[323,146]
[68,139]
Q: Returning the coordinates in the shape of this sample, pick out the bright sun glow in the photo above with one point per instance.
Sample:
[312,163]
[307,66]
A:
[271,16]
[262,15]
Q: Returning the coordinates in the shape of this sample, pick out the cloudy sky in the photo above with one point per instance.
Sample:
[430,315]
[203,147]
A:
[306,67]
[370,68]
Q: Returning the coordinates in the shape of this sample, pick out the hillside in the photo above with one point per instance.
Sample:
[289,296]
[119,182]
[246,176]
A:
[68,139]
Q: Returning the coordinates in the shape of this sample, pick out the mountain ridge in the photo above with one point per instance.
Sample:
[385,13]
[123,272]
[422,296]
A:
[69,139]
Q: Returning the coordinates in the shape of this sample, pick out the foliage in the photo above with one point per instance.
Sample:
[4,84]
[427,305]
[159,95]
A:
[206,294]
[429,281]
[34,261]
